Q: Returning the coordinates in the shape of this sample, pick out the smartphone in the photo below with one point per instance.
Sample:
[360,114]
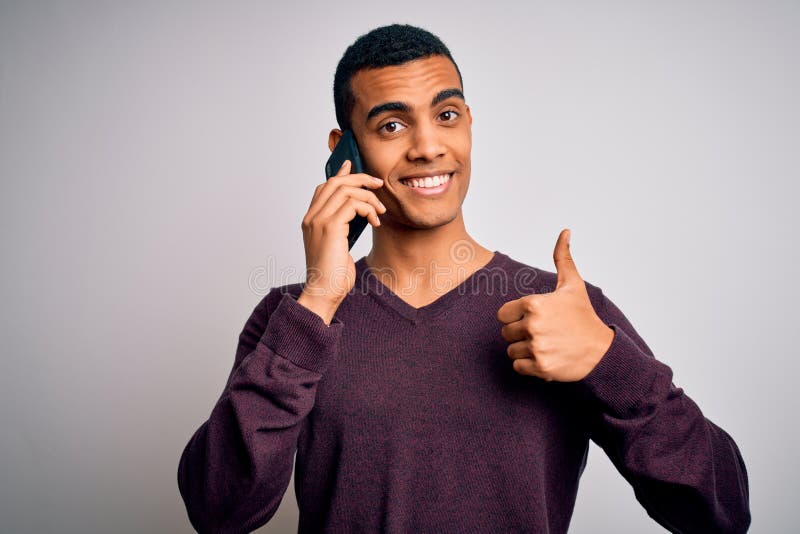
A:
[344,150]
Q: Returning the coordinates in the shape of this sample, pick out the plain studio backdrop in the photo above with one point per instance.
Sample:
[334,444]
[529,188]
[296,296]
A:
[157,159]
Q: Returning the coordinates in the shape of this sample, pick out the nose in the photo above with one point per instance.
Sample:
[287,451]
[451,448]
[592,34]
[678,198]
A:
[425,143]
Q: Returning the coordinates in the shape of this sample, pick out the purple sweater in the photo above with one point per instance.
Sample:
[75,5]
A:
[413,420]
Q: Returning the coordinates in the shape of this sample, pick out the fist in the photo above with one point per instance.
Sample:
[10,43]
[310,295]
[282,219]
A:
[556,336]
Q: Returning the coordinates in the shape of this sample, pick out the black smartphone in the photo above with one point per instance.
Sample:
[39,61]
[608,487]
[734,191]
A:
[344,150]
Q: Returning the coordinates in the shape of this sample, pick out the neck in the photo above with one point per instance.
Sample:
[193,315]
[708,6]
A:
[425,259]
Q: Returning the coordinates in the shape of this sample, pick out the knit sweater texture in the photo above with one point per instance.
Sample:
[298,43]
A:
[411,419]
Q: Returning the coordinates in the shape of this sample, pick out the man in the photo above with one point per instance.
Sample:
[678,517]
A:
[435,385]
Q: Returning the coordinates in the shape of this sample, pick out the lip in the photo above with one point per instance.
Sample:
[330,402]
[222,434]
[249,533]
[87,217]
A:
[429,191]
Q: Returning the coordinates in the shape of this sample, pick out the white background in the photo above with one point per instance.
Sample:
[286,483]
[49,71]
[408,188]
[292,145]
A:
[155,156]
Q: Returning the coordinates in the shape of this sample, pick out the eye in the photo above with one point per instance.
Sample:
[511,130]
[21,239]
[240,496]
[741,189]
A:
[391,127]
[449,115]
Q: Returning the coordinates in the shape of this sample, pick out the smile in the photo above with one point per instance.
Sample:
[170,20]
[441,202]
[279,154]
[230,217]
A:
[428,185]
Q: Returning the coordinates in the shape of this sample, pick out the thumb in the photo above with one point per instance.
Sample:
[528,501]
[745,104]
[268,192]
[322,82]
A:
[565,266]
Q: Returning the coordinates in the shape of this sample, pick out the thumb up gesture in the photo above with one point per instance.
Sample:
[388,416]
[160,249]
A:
[556,336]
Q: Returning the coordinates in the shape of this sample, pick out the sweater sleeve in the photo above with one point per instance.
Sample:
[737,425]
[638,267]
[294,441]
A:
[236,467]
[686,471]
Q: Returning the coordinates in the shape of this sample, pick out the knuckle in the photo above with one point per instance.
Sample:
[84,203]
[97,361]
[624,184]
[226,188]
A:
[315,225]
[532,327]
[546,368]
[530,305]
[363,209]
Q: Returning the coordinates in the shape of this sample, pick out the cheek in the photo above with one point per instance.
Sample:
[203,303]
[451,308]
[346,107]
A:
[377,161]
[467,142]
[460,144]
[465,151]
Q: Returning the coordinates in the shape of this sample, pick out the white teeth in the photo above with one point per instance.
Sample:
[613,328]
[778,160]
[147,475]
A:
[428,181]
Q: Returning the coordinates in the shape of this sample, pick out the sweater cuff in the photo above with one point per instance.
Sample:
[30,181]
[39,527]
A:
[301,336]
[625,378]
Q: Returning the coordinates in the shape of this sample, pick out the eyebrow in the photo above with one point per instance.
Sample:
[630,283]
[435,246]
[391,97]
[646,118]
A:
[447,93]
[405,108]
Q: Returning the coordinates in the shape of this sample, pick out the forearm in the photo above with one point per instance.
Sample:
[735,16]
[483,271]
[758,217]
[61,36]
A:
[686,471]
[236,467]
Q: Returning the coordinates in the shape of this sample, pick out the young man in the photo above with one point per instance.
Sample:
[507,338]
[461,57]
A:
[435,385]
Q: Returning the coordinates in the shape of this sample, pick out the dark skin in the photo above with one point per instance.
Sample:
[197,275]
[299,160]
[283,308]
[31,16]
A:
[425,135]
[412,124]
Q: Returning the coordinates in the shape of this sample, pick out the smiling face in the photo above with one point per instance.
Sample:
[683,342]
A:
[414,131]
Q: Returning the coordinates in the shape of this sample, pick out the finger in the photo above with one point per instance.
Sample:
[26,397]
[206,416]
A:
[511,311]
[343,170]
[520,349]
[317,191]
[359,179]
[526,366]
[330,187]
[344,193]
[562,257]
[516,331]
[353,207]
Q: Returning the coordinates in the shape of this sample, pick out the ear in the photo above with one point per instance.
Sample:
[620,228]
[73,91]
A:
[469,115]
[333,138]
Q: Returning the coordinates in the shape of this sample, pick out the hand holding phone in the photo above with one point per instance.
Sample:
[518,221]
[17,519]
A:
[328,234]
[347,149]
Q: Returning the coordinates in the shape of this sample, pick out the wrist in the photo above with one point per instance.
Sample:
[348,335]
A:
[322,306]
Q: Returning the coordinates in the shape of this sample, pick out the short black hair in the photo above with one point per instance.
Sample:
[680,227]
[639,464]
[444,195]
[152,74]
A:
[386,46]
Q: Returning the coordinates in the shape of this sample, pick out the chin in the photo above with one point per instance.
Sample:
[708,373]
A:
[430,221]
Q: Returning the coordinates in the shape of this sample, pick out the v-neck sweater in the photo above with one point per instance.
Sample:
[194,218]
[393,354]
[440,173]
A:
[409,419]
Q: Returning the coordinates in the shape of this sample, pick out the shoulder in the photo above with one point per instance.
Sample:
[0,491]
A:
[522,278]
[515,279]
